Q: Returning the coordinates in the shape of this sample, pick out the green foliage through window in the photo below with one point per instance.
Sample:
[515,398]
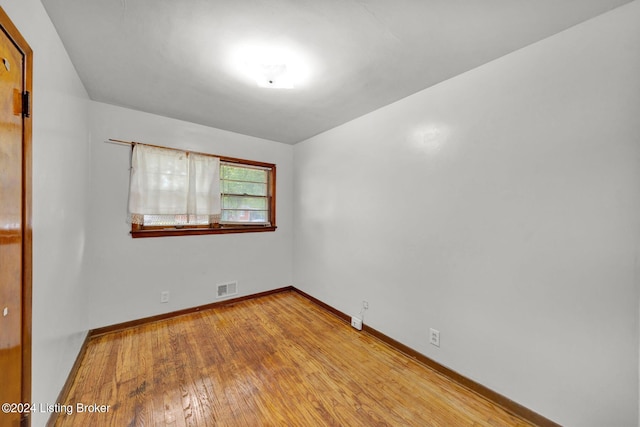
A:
[245,194]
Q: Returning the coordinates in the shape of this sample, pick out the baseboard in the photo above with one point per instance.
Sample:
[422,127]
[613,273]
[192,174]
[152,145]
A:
[327,307]
[67,384]
[133,323]
[485,392]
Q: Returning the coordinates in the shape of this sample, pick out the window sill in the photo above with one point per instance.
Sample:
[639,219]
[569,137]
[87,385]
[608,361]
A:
[165,232]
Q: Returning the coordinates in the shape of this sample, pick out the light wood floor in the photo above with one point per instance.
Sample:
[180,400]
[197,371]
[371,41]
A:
[279,360]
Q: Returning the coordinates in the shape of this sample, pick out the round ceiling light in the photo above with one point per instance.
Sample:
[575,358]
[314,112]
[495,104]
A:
[271,67]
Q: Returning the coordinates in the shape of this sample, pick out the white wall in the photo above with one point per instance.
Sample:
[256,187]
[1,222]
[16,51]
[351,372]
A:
[127,275]
[519,181]
[500,207]
[60,170]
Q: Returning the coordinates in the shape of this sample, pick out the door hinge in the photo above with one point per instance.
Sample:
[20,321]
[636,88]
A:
[26,104]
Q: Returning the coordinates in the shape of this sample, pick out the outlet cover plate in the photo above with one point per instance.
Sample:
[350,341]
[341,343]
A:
[434,337]
[356,323]
[164,296]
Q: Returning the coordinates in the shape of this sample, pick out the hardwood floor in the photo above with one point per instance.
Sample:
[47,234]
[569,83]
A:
[279,360]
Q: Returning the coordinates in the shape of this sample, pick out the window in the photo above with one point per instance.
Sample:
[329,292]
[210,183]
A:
[179,193]
[245,194]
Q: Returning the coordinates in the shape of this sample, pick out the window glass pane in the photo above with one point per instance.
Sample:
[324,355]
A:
[245,216]
[244,202]
[239,173]
[239,187]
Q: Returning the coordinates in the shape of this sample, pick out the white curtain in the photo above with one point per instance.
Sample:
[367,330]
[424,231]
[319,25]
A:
[176,185]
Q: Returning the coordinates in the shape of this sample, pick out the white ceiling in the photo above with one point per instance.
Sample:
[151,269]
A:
[173,58]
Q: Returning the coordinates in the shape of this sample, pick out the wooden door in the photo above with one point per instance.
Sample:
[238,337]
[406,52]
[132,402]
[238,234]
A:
[15,229]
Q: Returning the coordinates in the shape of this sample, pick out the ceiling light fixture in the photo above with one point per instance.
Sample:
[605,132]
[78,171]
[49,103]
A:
[273,76]
[269,67]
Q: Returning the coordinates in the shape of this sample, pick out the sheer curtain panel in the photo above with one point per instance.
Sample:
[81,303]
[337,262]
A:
[173,187]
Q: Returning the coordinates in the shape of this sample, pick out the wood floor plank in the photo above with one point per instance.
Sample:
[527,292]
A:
[271,361]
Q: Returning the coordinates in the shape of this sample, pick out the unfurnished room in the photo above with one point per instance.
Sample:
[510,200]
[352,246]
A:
[320,213]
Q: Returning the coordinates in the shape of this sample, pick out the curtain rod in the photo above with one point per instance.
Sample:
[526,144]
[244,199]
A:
[119,141]
[222,158]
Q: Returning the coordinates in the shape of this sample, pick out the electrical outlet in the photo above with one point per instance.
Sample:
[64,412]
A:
[164,296]
[365,305]
[434,337]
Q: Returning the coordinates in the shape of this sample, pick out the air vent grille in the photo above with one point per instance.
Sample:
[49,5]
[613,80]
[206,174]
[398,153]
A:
[227,289]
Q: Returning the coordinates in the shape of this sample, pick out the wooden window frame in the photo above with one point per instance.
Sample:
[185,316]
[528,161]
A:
[139,230]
